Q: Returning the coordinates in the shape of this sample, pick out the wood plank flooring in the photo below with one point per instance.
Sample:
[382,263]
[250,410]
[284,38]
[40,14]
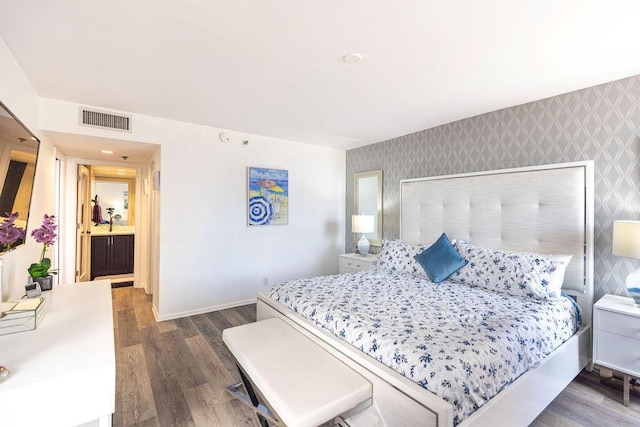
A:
[173,373]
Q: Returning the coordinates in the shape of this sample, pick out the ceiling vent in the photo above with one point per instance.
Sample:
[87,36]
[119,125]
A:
[104,120]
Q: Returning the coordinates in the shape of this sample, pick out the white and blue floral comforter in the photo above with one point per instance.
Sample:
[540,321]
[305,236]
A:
[462,343]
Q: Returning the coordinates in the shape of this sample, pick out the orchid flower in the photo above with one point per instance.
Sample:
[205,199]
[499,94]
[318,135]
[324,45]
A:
[9,233]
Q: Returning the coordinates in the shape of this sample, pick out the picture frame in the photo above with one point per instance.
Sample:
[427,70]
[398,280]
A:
[267,196]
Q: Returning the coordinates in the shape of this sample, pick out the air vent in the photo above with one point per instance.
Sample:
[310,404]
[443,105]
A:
[104,120]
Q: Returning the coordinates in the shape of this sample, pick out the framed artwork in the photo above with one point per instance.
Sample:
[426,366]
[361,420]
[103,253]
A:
[268,196]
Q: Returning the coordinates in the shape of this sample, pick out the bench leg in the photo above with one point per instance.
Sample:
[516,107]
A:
[253,397]
[264,414]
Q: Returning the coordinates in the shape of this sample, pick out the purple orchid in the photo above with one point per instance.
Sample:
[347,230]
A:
[45,234]
[9,233]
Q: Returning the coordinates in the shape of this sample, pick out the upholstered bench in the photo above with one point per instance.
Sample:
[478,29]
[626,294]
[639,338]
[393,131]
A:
[302,383]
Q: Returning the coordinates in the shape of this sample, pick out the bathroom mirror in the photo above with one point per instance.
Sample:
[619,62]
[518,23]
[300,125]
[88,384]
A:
[368,201]
[18,156]
[117,194]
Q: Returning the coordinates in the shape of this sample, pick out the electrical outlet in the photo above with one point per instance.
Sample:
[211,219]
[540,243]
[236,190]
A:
[265,281]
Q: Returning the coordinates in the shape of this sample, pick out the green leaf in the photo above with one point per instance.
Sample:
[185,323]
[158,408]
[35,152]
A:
[40,269]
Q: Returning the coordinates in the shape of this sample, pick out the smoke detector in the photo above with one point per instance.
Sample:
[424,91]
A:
[352,58]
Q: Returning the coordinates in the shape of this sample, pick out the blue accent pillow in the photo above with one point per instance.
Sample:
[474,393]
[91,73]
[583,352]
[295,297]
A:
[440,260]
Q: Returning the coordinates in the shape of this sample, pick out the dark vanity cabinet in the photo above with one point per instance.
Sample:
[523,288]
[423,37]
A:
[112,255]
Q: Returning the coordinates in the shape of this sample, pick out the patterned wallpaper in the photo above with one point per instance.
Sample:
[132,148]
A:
[601,123]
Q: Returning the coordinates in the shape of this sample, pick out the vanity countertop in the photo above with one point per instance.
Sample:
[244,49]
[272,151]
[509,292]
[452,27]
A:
[103,230]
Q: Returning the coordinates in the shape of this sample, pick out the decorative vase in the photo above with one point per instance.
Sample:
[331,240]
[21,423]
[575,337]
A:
[46,282]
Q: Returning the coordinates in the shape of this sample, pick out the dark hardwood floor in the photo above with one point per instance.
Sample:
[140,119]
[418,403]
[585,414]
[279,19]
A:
[173,373]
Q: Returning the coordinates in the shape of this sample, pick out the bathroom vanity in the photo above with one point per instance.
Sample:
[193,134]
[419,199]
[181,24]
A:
[112,253]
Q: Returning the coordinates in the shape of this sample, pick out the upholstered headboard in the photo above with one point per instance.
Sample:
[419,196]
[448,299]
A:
[544,209]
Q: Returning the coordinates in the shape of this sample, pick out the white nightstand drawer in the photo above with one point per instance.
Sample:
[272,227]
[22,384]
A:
[618,323]
[353,262]
[618,352]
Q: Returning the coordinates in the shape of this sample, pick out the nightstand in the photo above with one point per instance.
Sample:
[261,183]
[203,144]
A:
[616,337]
[356,262]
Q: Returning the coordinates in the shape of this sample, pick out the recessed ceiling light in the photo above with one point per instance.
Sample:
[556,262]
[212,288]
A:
[120,173]
[352,58]
[107,152]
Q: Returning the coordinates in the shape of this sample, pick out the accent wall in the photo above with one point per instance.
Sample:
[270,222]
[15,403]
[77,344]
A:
[600,123]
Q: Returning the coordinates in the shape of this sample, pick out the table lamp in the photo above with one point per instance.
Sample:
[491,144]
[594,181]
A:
[626,243]
[362,224]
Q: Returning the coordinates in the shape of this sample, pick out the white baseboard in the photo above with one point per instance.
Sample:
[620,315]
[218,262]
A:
[203,310]
[143,286]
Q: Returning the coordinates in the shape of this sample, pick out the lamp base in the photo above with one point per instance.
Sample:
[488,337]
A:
[633,285]
[363,246]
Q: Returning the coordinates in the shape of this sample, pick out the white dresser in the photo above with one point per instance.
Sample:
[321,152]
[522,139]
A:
[616,337]
[356,262]
[63,373]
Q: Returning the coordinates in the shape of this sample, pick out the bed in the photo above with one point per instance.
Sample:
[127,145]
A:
[543,209]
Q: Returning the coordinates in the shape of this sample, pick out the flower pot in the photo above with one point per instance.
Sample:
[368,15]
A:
[46,282]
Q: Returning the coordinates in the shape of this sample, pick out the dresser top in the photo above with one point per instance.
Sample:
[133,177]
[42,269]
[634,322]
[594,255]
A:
[69,358]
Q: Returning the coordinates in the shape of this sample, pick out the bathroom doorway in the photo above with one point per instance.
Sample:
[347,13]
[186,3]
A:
[107,234]
[101,156]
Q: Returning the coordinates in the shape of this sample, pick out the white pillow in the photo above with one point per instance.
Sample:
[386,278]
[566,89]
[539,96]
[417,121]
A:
[397,256]
[554,288]
[523,274]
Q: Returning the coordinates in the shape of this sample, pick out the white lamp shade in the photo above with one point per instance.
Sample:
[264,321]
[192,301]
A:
[362,223]
[626,239]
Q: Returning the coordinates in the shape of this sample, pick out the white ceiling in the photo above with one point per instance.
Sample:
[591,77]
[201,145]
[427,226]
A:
[90,148]
[275,67]
[100,171]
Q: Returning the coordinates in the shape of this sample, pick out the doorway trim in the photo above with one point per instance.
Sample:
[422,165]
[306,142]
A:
[68,229]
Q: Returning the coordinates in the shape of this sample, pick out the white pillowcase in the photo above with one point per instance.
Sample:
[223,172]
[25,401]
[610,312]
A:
[523,274]
[554,288]
[397,256]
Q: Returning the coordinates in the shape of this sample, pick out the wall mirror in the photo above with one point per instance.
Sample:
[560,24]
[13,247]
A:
[18,158]
[368,201]
[117,194]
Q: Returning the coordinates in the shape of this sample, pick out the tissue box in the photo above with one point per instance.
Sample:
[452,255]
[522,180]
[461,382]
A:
[23,315]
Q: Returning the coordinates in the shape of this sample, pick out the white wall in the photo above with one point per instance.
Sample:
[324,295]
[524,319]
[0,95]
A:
[19,95]
[208,257]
